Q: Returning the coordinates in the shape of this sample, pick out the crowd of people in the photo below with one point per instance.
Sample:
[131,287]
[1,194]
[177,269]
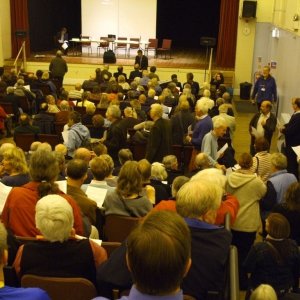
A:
[259,190]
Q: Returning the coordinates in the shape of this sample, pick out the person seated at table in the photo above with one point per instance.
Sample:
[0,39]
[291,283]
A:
[58,252]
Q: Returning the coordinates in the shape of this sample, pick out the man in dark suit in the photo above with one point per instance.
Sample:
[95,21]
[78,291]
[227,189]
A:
[25,126]
[265,124]
[195,87]
[292,138]
[142,60]
[136,72]
[43,120]
[120,72]
[58,67]
[160,139]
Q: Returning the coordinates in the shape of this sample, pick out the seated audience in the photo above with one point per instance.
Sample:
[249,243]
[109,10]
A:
[60,158]
[85,100]
[43,120]
[90,109]
[76,93]
[136,72]
[7,292]
[217,80]
[25,126]
[126,200]
[129,120]
[171,164]
[263,292]
[97,130]
[120,72]
[124,155]
[167,260]
[58,252]
[276,260]
[15,166]
[63,115]
[52,107]
[110,178]
[76,175]
[19,209]
[197,202]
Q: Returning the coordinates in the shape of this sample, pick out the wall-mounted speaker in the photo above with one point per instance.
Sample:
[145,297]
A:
[207,41]
[249,9]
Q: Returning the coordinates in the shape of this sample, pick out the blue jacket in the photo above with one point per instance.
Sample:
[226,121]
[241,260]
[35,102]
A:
[265,89]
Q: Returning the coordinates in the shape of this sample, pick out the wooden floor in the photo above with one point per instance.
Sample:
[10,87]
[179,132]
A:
[180,58]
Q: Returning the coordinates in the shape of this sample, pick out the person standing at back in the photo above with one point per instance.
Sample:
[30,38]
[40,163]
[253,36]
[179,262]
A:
[58,67]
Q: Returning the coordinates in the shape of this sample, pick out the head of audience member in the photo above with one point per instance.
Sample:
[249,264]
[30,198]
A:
[142,98]
[78,86]
[129,180]
[277,226]
[99,149]
[76,172]
[278,162]
[83,154]
[125,155]
[292,197]
[158,171]
[220,126]
[24,119]
[219,102]
[264,292]
[44,168]
[45,76]
[266,107]
[98,121]
[104,101]
[121,79]
[61,148]
[151,93]
[199,199]
[201,109]
[64,105]
[170,162]
[140,53]
[90,109]
[20,83]
[45,146]
[54,218]
[245,161]
[64,95]
[14,161]
[166,258]
[74,118]
[99,168]
[4,147]
[34,146]
[156,111]
[202,161]
[145,169]
[261,144]
[39,74]
[136,67]
[266,71]
[129,112]
[189,77]
[174,78]
[223,108]
[110,163]
[10,90]
[296,104]
[50,100]
[227,98]
[183,103]
[206,93]
[113,113]
[43,107]
[60,157]
[177,183]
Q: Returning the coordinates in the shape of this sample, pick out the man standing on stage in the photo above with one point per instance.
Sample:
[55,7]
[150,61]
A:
[141,60]
[265,88]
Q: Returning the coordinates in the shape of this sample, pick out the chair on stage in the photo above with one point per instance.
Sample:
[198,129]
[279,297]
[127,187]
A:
[86,43]
[61,288]
[134,46]
[104,44]
[121,45]
[166,47]
[153,44]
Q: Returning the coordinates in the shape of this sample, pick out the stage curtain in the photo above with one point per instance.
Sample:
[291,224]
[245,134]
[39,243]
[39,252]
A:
[19,22]
[227,33]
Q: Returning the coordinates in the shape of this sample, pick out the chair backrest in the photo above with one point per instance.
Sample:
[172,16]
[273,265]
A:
[153,43]
[24,140]
[8,107]
[59,127]
[110,247]
[24,103]
[52,139]
[45,89]
[105,42]
[166,44]
[122,44]
[86,43]
[61,288]
[80,109]
[135,45]
[117,228]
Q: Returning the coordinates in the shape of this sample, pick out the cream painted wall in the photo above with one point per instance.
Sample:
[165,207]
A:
[5,32]
[246,41]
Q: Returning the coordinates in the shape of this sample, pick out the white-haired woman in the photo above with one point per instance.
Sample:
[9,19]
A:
[58,253]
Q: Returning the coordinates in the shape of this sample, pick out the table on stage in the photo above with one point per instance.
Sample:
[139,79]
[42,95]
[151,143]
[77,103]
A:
[76,42]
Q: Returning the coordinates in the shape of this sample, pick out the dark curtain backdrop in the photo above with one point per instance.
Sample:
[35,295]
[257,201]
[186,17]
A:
[185,22]
[47,17]
[226,48]
[19,25]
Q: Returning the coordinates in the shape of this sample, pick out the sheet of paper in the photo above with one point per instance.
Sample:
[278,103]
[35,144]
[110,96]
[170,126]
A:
[65,135]
[97,194]
[222,150]
[62,184]
[4,191]
[296,149]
